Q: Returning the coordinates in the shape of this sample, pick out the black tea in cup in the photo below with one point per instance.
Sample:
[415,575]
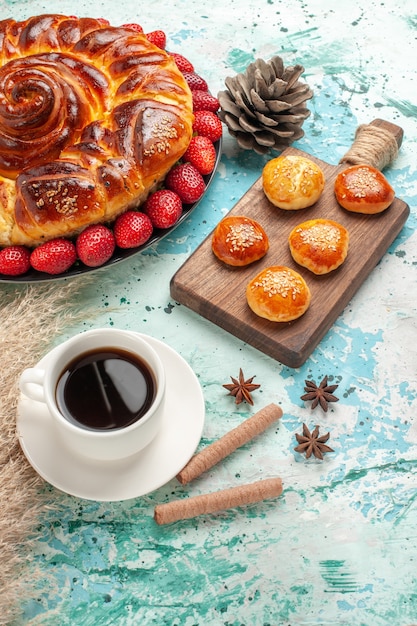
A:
[105,389]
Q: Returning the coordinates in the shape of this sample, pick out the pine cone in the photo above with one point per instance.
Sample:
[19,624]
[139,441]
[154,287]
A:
[264,107]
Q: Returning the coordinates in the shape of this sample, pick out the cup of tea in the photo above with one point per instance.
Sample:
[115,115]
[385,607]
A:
[104,390]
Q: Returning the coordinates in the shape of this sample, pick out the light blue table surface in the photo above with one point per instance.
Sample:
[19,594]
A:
[339,546]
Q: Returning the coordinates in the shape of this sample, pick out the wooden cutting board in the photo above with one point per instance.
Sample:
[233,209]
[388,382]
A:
[217,291]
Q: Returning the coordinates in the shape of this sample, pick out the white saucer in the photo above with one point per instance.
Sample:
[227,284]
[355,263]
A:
[136,476]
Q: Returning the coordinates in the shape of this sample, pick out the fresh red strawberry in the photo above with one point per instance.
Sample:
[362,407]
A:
[183,64]
[164,208]
[207,123]
[201,153]
[95,245]
[158,38]
[204,101]
[132,229]
[185,180]
[135,27]
[54,256]
[195,81]
[14,260]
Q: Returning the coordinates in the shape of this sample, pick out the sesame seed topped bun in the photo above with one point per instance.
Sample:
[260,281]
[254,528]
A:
[320,245]
[363,189]
[238,240]
[292,182]
[279,294]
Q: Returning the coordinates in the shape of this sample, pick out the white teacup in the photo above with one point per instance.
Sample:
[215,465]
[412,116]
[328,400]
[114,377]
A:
[105,407]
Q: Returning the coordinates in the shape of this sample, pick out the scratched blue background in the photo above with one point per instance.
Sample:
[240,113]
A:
[339,546]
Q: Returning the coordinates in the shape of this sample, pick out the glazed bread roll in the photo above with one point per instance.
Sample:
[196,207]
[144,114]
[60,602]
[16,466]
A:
[320,245]
[278,294]
[91,119]
[363,189]
[239,240]
[292,182]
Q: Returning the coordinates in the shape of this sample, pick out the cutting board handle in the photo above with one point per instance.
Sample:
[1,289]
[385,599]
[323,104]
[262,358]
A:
[375,144]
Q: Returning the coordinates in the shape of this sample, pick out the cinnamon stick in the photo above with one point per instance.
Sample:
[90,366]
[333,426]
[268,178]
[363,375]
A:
[217,501]
[220,449]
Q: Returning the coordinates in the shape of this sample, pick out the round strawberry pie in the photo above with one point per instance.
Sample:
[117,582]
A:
[104,137]
[92,118]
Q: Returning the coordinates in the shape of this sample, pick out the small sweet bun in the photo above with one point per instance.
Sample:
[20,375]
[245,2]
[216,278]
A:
[363,189]
[278,294]
[239,240]
[292,182]
[320,245]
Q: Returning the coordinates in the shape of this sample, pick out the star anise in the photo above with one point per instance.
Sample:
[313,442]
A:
[241,388]
[312,444]
[322,394]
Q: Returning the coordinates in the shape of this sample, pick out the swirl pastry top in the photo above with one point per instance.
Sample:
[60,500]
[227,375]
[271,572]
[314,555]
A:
[92,117]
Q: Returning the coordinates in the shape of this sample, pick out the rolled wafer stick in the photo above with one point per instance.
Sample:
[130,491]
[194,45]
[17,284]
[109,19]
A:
[220,449]
[218,501]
